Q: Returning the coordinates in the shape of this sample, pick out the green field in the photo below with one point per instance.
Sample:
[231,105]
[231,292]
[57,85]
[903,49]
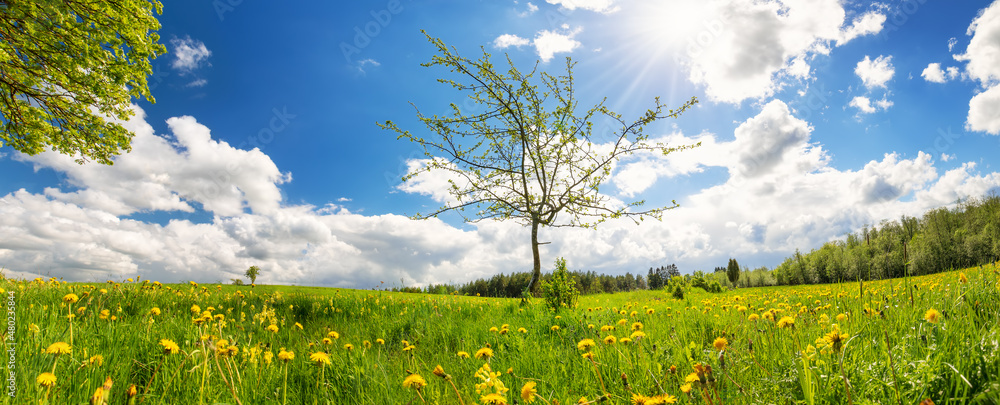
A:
[823,344]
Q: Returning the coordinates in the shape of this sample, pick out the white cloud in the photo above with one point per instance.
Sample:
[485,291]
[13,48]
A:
[951,43]
[781,194]
[197,83]
[508,40]
[869,23]
[161,174]
[983,52]
[366,62]
[984,112]
[548,43]
[600,6]
[933,73]
[983,57]
[875,73]
[189,54]
[751,49]
[946,157]
[531,9]
[863,104]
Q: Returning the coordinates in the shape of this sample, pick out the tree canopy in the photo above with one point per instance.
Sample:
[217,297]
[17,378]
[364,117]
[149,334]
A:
[526,153]
[67,67]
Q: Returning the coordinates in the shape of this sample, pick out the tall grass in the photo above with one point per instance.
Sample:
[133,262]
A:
[893,352]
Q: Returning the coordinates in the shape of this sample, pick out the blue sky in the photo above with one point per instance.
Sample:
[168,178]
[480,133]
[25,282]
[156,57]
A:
[816,118]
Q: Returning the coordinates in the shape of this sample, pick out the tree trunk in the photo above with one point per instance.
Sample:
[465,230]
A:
[536,273]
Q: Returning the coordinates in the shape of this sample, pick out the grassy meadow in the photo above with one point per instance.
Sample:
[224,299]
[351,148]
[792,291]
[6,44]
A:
[139,341]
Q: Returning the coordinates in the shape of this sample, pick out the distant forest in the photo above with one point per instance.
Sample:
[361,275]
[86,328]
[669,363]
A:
[942,239]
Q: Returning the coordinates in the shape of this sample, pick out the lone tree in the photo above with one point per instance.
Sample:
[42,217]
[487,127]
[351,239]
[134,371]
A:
[252,274]
[733,271]
[527,154]
[66,65]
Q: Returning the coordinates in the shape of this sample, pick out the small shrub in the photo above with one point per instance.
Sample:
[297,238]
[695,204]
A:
[678,292]
[560,290]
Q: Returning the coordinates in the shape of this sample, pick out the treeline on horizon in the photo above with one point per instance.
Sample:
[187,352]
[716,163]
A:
[942,239]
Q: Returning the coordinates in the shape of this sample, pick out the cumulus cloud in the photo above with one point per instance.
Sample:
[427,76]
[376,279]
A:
[781,194]
[759,45]
[934,73]
[165,174]
[983,57]
[600,6]
[531,9]
[984,111]
[875,73]
[189,54]
[865,106]
[868,24]
[548,43]
[508,40]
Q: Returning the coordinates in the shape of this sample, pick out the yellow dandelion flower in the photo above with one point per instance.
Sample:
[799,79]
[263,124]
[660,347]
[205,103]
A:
[554,328]
[414,381]
[639,399]
[333,335]
[463,355]
[528,392]
[439,371]
[661,399]
[320,358]
[298,325]
[588,355]
[690,378]
[272,328]
[285,355]
[71,298]
[637,326]
[786,321]
[625,340]
[494,329]
[522,330]
[753,317]
[962,278]
[493,399]
[483,353]
[650,311]
[720,343]
[841,318]
[46,379]
[195,309]
[348,347]
[96,360]
[610,340]
[637,335]
[59,348]
[686,388]
[366,344]
[932,315]
[327,341]
[380,341]
[155,311]
[586,344]
[268,356]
